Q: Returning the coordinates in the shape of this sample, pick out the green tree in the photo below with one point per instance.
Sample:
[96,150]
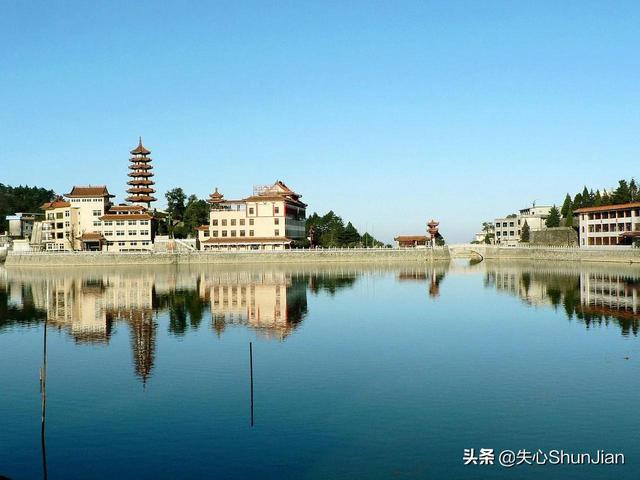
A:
[21,199]
[567,205]
[633,191]
[488,229]
[196,213]
[553,220]
[597,201]
[577,201]
[525,233]
[568,219]
[350,237]
[622,194]
[175,203]
[587,200]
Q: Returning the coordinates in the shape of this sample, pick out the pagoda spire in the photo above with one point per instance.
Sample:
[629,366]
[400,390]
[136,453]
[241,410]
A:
[141,184]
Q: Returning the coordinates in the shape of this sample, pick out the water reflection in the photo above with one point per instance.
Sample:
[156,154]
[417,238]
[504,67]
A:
[594,295]
[90,305]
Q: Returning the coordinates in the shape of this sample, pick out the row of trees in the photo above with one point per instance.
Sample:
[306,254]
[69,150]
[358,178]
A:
[21,199]
[627,191]
[329,230]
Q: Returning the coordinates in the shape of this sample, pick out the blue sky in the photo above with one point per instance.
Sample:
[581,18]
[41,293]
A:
[389,113]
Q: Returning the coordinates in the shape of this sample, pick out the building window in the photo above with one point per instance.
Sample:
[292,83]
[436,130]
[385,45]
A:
[214,223]
[108,233]
[233,221]
[132,222]
[276,221]
[242,221]
[133,232]
[120,222]
[144,232]
[108,224]
[251,211]
[214,233]
[119,233]
[276,210]
[205,233]
[251,233]
[224,222]
[224,233]
[59,215]
[233,233]
[96,223]
[242,233]
[122,244]
[67,224]
[251,221]
[97,213]
[276,233]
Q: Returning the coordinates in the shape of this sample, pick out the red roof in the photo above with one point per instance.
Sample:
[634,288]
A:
[55,204]
[125,208]
[605,208]
[204,228]
[91,237]
[90,191]
[411,238]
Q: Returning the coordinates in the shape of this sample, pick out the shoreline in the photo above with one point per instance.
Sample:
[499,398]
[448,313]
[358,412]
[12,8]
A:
[562,254]
[382,255]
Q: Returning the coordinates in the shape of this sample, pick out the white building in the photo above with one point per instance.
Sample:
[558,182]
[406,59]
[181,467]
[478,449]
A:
[508,230]
[609,225]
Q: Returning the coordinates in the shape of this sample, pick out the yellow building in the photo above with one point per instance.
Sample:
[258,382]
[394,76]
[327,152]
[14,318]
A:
[271,219]
[127,228]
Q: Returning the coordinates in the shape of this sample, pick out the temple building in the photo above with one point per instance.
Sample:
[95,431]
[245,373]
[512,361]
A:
[273,218]
[141,184]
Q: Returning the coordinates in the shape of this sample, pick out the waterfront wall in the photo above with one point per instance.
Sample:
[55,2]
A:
[570,254]
[346,255]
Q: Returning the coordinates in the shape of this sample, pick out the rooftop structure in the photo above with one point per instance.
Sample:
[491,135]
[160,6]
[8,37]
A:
[609,225]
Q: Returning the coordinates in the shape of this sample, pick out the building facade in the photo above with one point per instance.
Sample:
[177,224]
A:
[508,230]
[127,228]
[273,218]
[611,225]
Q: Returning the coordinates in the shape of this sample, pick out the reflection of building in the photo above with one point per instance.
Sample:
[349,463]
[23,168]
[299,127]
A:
[434,277]
[610,294]
[271,303]
[271,219]
[609,225]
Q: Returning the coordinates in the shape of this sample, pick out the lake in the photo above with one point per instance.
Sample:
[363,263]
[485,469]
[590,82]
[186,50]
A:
[355,371]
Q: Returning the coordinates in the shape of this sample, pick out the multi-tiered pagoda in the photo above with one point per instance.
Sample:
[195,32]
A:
[141,190]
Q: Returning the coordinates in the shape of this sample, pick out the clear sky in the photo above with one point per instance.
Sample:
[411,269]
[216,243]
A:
[389,113]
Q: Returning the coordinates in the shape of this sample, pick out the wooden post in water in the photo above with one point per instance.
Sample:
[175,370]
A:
[251,377]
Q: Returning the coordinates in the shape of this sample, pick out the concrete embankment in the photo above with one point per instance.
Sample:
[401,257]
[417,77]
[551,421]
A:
[382,255]
[570,254]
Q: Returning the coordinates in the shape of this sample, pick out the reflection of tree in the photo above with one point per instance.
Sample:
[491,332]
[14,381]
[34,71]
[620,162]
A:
[330,284]
[24,315]
[185,308]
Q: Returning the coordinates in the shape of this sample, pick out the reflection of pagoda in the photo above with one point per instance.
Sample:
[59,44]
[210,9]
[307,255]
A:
[143,344]
[141,190]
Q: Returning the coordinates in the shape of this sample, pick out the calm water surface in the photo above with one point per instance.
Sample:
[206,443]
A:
[358,372]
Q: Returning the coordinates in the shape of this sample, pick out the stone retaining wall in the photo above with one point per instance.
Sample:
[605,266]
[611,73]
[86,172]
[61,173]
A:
[53,259]
[563,254]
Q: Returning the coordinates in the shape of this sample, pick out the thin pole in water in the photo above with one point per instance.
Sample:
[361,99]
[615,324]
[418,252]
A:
[43,412]
[251,377]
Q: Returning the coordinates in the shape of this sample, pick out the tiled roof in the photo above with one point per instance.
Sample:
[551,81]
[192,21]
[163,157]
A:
[606,208]
[91,236]
[140,150]
[204,228]
[90,191]
[55,204]
[410,238]
[248,240]
[125,208]
[127,216]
